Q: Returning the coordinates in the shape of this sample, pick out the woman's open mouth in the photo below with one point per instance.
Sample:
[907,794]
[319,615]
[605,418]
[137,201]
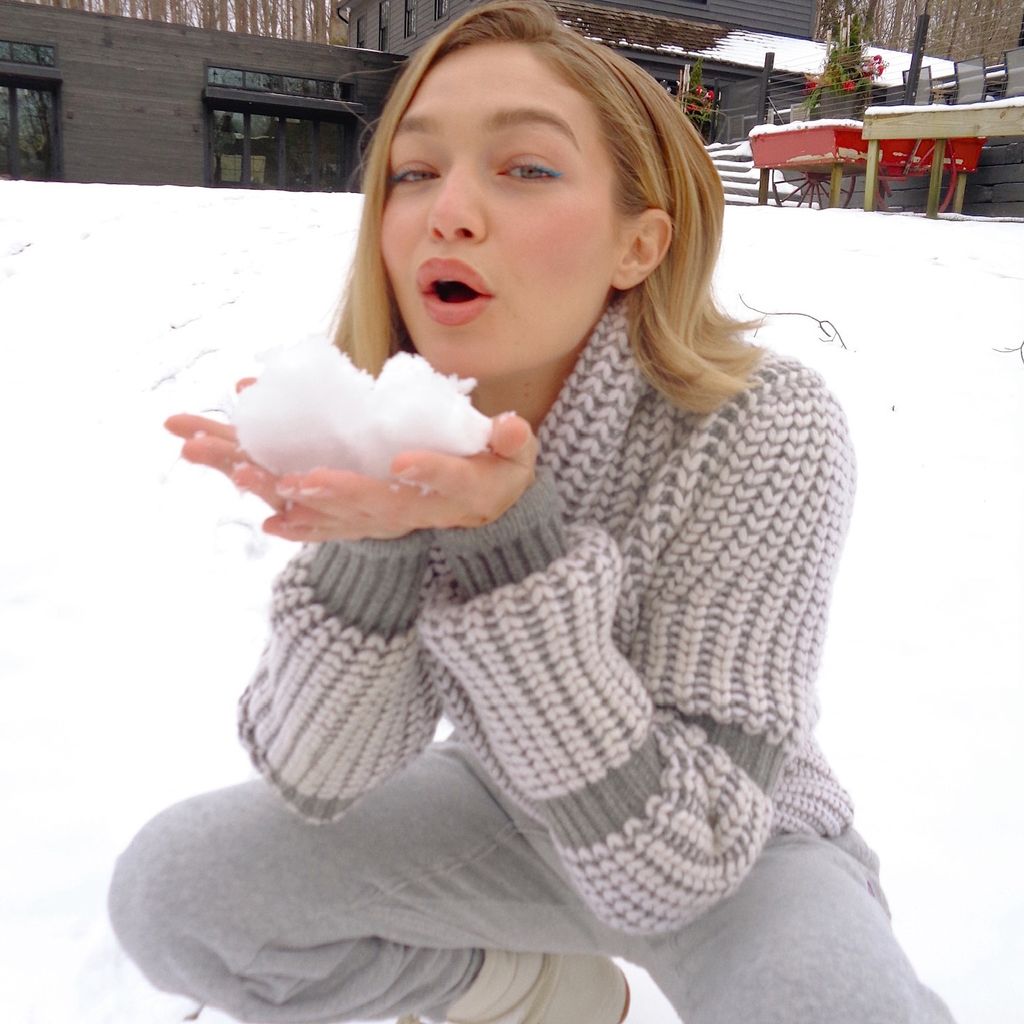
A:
[453,292]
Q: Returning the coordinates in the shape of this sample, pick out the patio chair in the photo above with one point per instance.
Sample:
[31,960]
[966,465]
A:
[970,80]
[924,85]
[1014,72]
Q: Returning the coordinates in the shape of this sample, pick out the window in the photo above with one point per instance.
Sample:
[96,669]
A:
[440,9]
[410,18]
[281,152]
[382,25]
[27,53]
[288,85]
[28,133]
[361,32]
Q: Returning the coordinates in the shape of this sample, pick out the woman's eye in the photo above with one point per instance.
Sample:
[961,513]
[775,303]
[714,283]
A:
[411,175]
[532,172]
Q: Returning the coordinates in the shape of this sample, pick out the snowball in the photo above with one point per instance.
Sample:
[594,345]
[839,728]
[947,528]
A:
[312,407]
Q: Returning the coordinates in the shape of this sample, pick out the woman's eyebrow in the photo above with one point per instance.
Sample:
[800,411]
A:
[513,117]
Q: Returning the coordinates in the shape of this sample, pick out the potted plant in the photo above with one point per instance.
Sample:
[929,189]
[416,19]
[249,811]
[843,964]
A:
[842,88]
[698,101]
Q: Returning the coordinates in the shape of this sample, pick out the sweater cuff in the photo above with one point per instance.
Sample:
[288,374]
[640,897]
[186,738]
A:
[374,585]
[525,540]
[585,818]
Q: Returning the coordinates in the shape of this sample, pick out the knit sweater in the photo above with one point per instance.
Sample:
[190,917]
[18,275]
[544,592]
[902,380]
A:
[630,651]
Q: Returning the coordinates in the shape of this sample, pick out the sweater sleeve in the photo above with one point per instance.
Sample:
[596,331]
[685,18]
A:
[654,771]
[338,702]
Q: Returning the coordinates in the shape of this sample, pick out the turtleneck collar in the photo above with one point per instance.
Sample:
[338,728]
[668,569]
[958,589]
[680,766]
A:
[585,430]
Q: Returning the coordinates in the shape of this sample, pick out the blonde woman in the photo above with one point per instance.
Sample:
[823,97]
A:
[620,607]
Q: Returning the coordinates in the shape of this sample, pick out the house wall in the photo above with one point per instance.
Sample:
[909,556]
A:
[131,108]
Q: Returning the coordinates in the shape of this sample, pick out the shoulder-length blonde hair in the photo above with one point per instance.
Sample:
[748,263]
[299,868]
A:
[684,344]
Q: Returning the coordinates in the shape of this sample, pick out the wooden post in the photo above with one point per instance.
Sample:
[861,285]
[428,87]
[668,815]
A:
[871,176]
[961,188]
[835,185]
[762,187]
[935,181]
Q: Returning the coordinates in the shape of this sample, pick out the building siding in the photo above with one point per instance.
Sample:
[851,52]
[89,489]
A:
[131,108]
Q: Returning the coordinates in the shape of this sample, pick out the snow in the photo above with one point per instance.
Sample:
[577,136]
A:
[927,108]
[311,407]
[134,587]
[803,126]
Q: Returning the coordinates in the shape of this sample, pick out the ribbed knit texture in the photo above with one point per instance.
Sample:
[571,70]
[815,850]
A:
[631,651]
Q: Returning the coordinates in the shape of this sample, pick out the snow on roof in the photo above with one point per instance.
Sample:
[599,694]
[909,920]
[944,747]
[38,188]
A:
[807,56]
[721,44]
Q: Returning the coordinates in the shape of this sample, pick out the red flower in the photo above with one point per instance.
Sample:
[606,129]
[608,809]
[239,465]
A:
[849,86]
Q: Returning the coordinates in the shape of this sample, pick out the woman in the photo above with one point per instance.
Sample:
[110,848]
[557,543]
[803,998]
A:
[620,607]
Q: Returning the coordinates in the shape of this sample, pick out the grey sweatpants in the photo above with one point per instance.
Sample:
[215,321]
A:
[233,899]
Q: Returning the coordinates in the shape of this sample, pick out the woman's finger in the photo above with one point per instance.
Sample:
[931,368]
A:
[301,524]
[512,438]
[245,382]
[351,497]
[216,452]
[258,481]
[185,426]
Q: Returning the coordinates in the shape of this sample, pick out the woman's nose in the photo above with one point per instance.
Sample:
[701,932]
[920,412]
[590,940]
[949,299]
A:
[457,212]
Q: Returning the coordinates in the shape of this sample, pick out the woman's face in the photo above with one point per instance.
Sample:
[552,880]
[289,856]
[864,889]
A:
[500,235]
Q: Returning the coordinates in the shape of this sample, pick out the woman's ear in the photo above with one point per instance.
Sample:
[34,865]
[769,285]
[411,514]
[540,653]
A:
[646,239]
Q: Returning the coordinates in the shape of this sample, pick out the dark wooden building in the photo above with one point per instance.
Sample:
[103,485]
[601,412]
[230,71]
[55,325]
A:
[95,98]
[661,36]
[400,26]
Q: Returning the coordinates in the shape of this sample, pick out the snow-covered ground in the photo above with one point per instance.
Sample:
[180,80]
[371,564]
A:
[133,587]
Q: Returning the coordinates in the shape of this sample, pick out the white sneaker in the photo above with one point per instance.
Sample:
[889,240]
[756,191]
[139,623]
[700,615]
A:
[531,988]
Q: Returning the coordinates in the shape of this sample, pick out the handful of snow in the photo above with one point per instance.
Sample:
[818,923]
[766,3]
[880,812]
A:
[312,408]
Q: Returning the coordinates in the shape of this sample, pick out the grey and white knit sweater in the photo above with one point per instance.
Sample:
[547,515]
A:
[630,651]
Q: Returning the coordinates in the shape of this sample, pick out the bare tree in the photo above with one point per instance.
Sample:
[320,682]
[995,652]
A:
[957,28]
[308,20]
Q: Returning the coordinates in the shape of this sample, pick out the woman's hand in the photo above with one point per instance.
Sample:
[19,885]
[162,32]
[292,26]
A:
[430,490]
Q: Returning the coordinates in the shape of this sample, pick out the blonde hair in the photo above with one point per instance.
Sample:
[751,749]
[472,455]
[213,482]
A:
[688,349]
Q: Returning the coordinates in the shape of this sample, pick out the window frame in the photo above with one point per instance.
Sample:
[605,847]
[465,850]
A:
[37,76]
[347,165]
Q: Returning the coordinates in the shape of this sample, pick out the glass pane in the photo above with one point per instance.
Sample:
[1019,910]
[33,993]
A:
[295,86]
[298,153]
[256,80]
[35,119]
[228,135]
[24,53]
[275,83]
[225,76]
[47,56]
[5,50]
[332,161]
[263,146]
[5,131]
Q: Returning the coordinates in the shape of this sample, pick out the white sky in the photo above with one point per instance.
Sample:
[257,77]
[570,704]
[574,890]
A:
[133,587]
